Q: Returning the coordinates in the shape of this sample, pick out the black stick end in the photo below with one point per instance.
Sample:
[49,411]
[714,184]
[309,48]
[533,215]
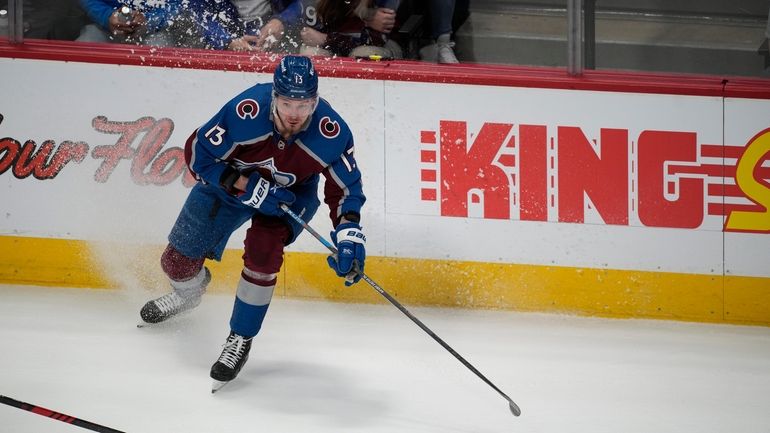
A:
[514,409]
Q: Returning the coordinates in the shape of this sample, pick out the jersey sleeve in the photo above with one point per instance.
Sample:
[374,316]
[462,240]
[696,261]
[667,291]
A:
[343,190]
[211,145]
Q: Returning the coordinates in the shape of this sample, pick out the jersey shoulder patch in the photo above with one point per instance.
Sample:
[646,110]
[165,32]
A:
[247,109]
[329,123]
[329,128]
[248,114]
[327,136]
[252,101]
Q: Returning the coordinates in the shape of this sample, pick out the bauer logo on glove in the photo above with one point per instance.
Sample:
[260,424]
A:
[261,194]
[356,233]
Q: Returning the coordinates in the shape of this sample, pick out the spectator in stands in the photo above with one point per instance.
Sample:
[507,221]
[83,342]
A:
[141,22]
[442,51]
[248,25]
[355,28]
[51,19]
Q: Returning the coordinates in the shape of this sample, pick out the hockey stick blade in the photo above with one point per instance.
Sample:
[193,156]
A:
[513,407]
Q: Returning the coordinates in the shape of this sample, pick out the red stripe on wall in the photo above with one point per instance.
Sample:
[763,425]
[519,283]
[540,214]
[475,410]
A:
[719,151]
[719,190]
[402,70]
[720,209]
[705,169]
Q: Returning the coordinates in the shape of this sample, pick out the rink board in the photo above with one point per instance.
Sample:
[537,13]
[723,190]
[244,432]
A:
[576,201]
[558,289]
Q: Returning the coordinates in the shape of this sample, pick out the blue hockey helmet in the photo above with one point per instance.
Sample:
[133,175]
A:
[295,78]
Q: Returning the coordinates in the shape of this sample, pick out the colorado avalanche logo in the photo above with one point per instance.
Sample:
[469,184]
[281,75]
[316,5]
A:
[280,177]
[329,128]
[247,108]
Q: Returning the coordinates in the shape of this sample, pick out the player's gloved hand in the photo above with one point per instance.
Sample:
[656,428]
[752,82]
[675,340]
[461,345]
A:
[265,196]
[351,253]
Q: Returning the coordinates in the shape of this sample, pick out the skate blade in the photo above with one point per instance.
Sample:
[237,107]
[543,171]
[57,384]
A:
[143,324]
[216,385]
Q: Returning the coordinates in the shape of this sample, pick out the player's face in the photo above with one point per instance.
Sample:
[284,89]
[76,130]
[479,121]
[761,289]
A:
[294,111]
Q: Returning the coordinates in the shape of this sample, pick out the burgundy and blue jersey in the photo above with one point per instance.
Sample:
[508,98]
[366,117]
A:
[242,135]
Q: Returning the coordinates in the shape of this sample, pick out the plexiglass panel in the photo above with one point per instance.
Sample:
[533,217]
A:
[690,36]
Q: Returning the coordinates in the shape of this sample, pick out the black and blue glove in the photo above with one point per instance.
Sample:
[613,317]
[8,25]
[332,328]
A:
[265,196]
[351,253]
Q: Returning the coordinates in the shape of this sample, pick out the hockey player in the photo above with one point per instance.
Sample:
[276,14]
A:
[264,148]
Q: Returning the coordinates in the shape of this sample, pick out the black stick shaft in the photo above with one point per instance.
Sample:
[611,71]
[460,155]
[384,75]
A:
[512,406]
[57,416]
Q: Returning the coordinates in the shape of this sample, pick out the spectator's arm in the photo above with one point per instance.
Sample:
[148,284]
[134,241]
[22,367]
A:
[159,17]
[382,20]
[289,14]
[208,13]
[99,11]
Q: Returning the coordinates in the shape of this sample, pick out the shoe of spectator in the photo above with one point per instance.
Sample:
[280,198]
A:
[442,51]
[429,53]
[445,49]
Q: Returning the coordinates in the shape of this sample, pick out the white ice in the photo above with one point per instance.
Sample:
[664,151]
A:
[329,367]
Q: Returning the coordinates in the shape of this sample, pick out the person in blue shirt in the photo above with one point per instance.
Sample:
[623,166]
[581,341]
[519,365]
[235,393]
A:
[141,22]
[265,148]
[247,25]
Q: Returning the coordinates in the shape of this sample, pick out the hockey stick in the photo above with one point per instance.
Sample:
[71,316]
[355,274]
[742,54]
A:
[57,416]
[511,405]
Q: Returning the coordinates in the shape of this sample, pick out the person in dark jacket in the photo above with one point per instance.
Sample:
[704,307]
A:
[359,28]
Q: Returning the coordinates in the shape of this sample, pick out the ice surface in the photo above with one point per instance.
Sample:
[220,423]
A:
[328,367]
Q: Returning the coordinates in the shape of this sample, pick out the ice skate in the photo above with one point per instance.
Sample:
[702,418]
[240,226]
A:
[234,355]
[171,304]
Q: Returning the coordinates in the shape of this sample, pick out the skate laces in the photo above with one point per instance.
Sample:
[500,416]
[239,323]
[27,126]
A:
[233,350]
[169,302]
[173,302]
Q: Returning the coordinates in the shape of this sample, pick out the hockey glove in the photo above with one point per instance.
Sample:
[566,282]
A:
[351,253]
[265,196]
